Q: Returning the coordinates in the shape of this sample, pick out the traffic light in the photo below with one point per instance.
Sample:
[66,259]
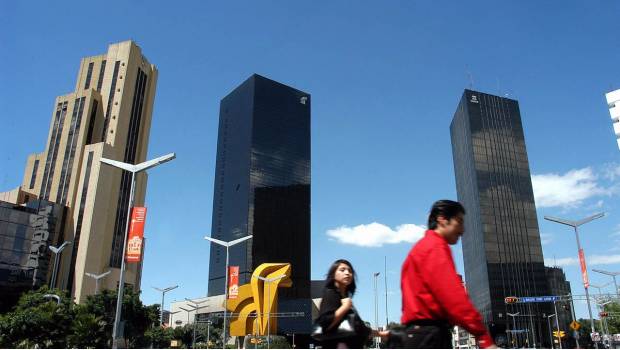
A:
[559,334]
[511,300]
[604,314]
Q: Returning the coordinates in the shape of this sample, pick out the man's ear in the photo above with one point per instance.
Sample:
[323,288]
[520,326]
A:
[441,220]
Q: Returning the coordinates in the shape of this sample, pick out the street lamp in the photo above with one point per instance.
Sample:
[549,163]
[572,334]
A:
[376,274]
[163,293]
[600,286]
[387,322]
[208,332]
[52,296]
[613,275]
[133,169]
[574,318]
[56,251]
[514,327]
[557,322]
[227,245]
[549,326]
[196,306]
[268,281]
[97,278]
[582,256]
[601,307]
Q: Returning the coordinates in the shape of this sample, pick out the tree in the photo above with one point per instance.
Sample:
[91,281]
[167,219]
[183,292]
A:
[137,317]
[40,322]
[159,337]
[37,321]
[585,341]
[88,331]
[613,321]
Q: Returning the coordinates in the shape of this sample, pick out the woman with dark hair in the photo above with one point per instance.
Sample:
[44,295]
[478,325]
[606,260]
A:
[342,328]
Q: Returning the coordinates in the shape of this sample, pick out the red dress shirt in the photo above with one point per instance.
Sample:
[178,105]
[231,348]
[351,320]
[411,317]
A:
[432,290]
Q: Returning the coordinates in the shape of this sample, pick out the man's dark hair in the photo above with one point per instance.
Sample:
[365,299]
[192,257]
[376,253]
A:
[445,208]
[330,279]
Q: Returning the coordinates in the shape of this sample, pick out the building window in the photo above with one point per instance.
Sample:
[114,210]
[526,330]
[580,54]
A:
[72,139]
[33,177]
[52,150]
[101,73]
[78,225]
[131,148]
[110,99]
[89,75]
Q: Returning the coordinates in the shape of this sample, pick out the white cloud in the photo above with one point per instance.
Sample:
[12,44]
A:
[376,234]
[615,237]
[546,238]
[611,171]
[568,190]
[592,260]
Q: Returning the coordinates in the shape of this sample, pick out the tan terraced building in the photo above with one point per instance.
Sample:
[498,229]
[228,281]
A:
[108,115]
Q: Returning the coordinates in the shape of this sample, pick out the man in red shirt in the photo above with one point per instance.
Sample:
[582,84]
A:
[434,298]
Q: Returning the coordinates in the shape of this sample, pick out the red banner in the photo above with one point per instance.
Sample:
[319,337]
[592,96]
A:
[584,270]
[233,282]
[136,234]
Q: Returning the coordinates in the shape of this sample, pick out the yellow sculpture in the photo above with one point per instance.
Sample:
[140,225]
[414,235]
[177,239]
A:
[258,299]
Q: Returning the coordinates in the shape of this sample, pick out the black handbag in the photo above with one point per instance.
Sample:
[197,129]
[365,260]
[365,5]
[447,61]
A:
[351,326]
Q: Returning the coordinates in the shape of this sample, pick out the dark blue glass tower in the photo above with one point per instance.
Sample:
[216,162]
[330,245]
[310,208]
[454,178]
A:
[262,188]
[502,251]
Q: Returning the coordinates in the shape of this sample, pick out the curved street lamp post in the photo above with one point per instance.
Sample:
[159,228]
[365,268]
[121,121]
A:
[227,245]
[582,257]
[133,169]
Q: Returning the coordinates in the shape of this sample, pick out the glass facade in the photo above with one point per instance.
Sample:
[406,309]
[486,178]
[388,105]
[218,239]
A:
[25,234]
[501,245]
[262,188]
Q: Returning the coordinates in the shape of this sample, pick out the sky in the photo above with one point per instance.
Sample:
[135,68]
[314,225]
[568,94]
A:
[385,79]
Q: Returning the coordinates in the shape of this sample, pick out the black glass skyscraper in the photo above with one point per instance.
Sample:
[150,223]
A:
[501,246]
[262,187]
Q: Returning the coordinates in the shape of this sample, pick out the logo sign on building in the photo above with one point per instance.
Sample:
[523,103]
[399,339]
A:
[233,282]
[136,234]
[584,270]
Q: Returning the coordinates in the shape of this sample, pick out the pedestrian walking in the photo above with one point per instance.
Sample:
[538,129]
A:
[339,325]
[433,297]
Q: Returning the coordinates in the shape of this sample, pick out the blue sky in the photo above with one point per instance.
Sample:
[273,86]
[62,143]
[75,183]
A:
[385,79]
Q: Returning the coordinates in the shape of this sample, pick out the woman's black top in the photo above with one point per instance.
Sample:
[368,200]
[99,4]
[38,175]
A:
[329,304]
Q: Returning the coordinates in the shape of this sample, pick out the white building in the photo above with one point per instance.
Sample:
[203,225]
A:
[613,101]
[180,316]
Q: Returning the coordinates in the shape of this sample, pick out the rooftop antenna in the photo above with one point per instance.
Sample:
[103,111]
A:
[555,263]
[470,77]
[499,90]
